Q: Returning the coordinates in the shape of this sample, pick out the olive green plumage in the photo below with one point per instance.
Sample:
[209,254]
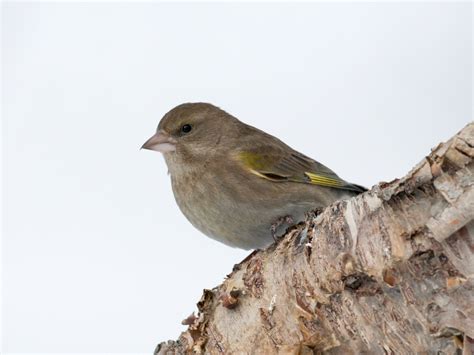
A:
[233,181]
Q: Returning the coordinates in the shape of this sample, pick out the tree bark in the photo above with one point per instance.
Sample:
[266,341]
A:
[388,271]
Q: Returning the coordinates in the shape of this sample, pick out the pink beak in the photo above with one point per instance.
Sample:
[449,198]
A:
[161,142]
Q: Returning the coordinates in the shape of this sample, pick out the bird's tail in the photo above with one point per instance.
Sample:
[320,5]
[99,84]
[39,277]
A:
[358,189]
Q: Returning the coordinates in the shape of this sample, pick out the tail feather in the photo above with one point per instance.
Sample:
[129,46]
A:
[355,188]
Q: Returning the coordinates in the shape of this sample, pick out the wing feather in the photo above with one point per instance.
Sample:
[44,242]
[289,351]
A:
[277,164]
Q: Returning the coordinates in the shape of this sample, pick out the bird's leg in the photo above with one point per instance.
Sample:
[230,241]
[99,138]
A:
[285,219]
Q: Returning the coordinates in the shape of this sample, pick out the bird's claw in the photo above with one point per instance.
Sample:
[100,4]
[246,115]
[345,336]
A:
[285,219]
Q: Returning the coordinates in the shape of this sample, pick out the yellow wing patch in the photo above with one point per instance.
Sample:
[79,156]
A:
[260,165]
[253,160]
[323,180]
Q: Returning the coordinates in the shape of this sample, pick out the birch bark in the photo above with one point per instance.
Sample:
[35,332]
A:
[389,271]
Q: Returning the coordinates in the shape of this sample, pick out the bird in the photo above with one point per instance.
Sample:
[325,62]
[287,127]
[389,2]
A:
[234,182]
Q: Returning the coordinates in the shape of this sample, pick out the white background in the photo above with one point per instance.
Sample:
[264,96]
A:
[96,255]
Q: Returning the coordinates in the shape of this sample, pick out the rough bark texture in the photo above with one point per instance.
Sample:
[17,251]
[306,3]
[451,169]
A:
[389,271]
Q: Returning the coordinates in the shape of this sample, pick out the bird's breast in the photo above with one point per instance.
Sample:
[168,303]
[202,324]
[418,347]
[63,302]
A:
[222,209]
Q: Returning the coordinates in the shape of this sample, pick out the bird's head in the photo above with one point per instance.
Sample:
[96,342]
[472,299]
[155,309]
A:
[190,133]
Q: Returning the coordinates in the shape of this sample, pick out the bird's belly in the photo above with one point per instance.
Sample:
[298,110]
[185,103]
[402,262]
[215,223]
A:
[240,227]
[234,221]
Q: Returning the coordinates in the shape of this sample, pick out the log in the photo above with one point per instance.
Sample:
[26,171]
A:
[388,271]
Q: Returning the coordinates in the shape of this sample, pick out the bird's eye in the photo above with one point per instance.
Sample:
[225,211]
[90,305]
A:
[186,128]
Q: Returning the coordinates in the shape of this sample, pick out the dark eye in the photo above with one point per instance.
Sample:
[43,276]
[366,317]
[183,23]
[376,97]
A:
[186,128]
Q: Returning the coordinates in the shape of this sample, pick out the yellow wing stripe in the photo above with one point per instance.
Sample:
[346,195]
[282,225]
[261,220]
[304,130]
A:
[323,180]
[253,160]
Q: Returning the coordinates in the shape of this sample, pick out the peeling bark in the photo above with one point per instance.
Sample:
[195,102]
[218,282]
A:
[389,271]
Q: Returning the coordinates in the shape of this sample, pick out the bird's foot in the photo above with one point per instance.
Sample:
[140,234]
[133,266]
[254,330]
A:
[273,229]
[313,213]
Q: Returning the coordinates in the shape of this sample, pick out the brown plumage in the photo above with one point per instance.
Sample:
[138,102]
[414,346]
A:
[233,181]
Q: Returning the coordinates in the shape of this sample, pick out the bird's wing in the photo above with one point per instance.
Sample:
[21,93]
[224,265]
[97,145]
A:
[285,164]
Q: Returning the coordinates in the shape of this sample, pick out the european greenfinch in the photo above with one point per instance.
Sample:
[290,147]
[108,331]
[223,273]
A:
[236,183]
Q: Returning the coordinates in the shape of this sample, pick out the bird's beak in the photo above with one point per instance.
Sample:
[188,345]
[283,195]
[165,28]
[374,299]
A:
[161,142]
